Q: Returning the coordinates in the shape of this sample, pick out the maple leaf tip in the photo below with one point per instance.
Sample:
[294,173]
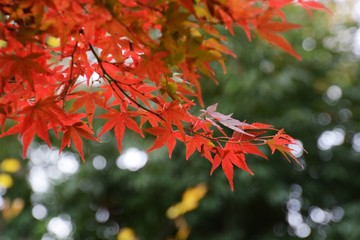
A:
[82,157]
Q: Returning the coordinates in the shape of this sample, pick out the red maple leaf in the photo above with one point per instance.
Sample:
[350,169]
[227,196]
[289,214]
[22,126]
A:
[119,121]
[164,136]
[200,143]
[89,100]
[26,67]
[269,29]
[231,154]
[281,142]
[37,119]
[175,113]
[153,66]
[309,5]
[74,130]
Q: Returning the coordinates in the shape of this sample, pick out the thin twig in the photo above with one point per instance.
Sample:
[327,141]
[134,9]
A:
[71,81]
[112,81]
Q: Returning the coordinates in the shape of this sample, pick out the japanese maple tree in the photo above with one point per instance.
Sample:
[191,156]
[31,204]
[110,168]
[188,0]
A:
[140,62]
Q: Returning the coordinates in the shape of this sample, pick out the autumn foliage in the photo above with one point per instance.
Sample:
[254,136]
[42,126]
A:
[137,64]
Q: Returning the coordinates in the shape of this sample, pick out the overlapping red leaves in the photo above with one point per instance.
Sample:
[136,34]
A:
[140,61]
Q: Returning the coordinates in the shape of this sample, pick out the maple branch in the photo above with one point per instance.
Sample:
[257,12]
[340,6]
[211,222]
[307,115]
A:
[127,84]
[111,81]
[71,81]
[149,7]
[255,141]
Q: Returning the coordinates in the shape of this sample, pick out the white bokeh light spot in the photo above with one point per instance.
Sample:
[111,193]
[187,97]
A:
[337,213]
[294,205]
[38,179]
[294,218]
[99,162]
[61,226]
[334,93]
[102,215]
[132,159]
[356,142]
[39,211]
[68,164]
[302,230]
[329,139]
[309,44]
[317,215]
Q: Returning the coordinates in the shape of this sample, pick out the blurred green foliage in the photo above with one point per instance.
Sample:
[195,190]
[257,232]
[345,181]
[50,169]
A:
[282,201]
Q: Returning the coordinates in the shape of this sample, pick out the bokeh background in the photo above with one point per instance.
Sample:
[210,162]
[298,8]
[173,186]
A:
[137,195]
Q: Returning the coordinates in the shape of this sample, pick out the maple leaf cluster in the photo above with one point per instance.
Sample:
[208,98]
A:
[140,61]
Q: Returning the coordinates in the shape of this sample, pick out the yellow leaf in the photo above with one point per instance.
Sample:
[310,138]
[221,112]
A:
[53,41]
[203,12]
[184,230]
[195,33]
[192,196]
[3,43]
[126,234]
[190,201]
[5,180]
[212,43]
[169,87]
[10,165]
[175,211]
